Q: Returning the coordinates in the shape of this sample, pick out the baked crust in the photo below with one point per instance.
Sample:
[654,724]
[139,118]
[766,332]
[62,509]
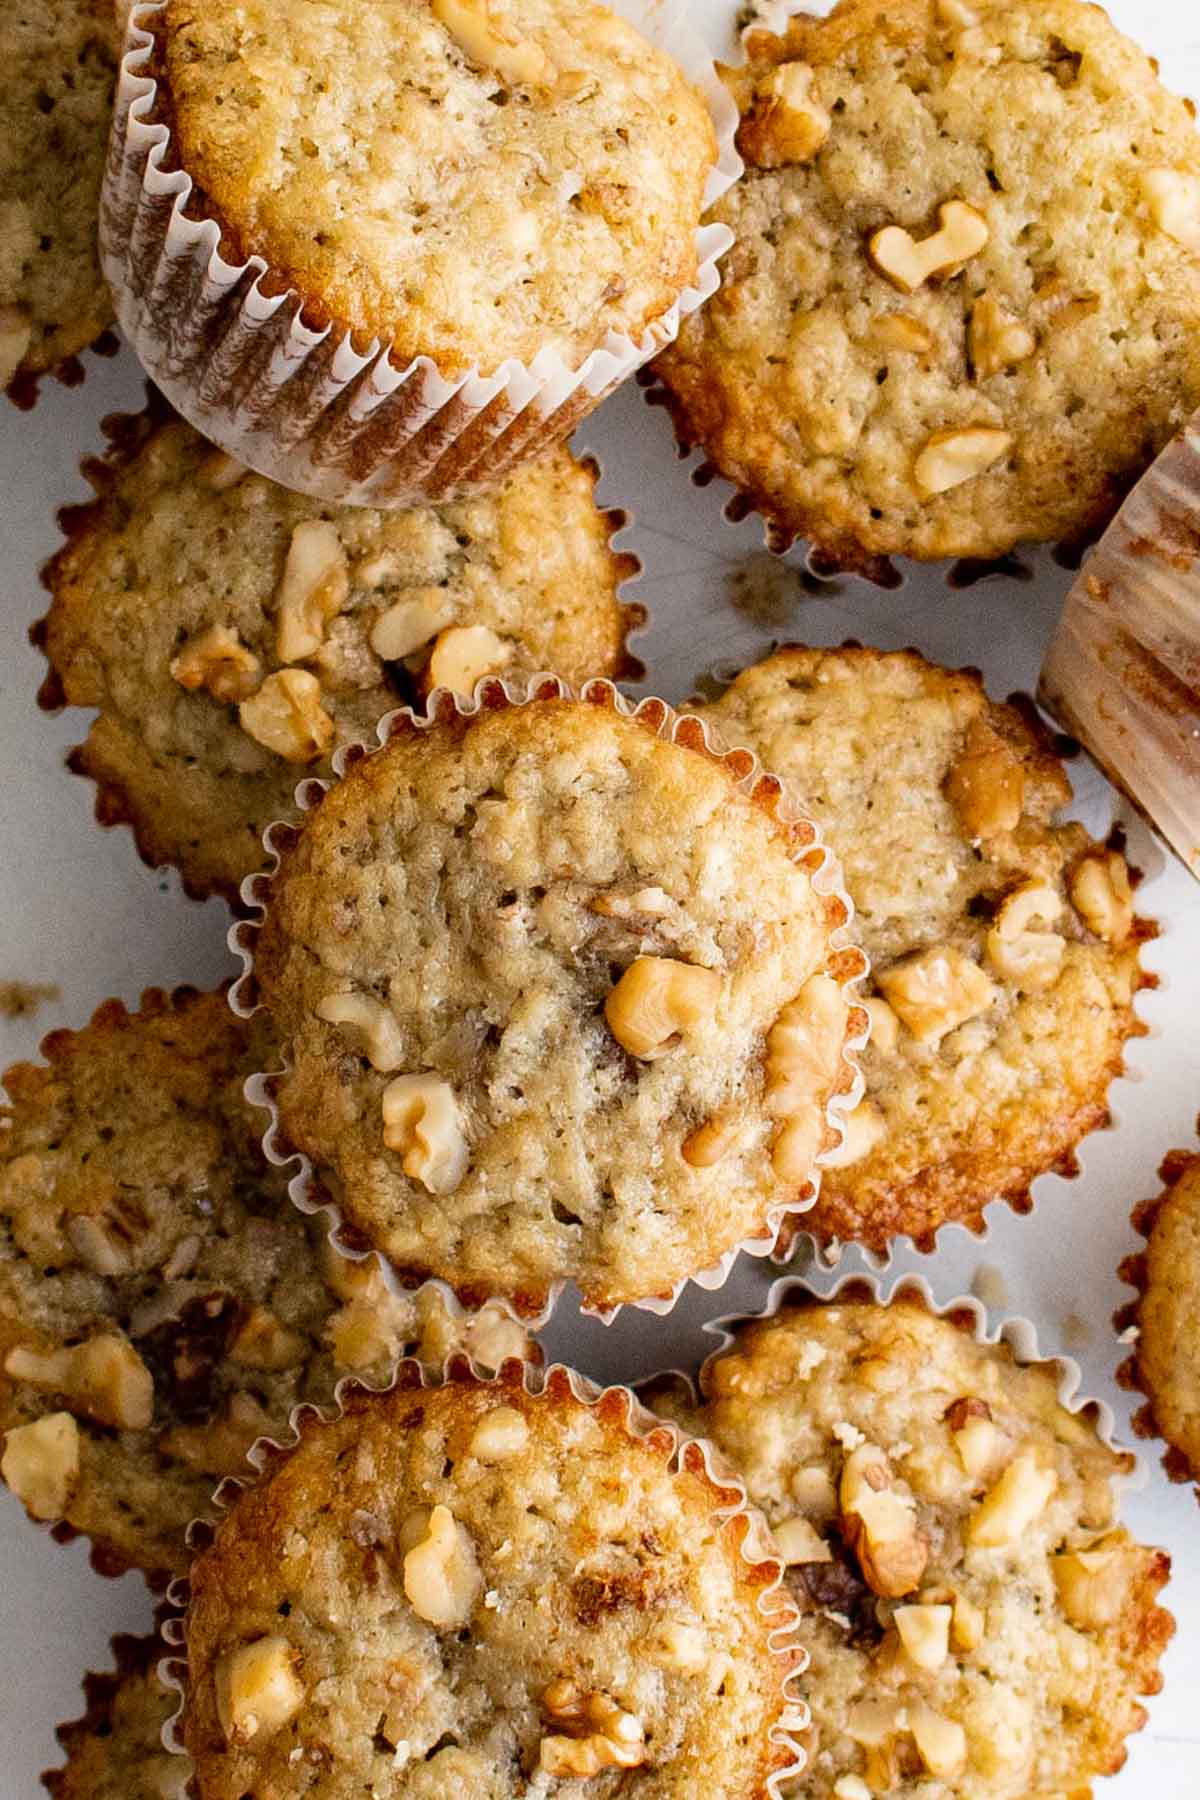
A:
[523,858]
[586,1554]
[1040,118]
[872,743]
[176,544]
[1163,1363]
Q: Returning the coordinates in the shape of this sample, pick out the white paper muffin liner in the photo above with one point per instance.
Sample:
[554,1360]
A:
[304,406]
[664,721]
[679,1451]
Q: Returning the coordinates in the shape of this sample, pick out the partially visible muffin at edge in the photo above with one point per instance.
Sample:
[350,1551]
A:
[1003,940]
[466,182]
[60,72]
[162,1302]
[474,1589]
[963,307]
[980,1625]
[233,634]
[557,1000]
[1164,1320]
[114,1751]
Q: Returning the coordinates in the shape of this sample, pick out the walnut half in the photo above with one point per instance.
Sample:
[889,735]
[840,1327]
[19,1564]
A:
[595,1733]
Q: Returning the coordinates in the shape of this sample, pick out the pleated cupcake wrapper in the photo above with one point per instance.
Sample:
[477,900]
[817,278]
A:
[1123,672]
[679,1451]
[303,405]
[1127,1319]
[662,721]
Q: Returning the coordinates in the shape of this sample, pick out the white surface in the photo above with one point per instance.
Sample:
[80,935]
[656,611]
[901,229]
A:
[79,909]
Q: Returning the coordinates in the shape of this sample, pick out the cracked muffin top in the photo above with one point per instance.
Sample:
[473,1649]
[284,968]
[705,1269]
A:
[162,1305]
[980,1626]
[1165,1363]
[557,1000]
[477,1591]
[233,634]
[1003,942]
[472,181]
[60,71]
[963,307]
[115,1750]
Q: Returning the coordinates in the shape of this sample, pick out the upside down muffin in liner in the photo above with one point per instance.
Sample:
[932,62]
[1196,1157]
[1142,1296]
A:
[1164,1363]
[516,1586]
[979,1625]
[1003,940]
[561,994]
[162,1305]
[371,312]
[233,634]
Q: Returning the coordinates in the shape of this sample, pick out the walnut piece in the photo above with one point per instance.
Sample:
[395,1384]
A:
[1101,895]
[220,1447]
[104,1376]
[798,1541]
[951,457]
[908,263]
[370,1023]
[900,331]
[653,901]
[975,1436]
[1174,201]
[935,990]
[595,1733]
[312,590]
[489,44]
[656,1001]
[1017,1499]
[1030,959]
[218,661]
[40,1463]
[494,1337]
[441,1572]
[499,1435]
[803,1059]
[677,1645]
[986,785]
[711,1141]
[941,1742]
[422,1122]
[785,123]
[1093,1585]
[258,1689]
[264,1342]
[286,716]
[464,654]
[410,624]
[863,1129]
[924,1633]
[995,339]
[879,1526]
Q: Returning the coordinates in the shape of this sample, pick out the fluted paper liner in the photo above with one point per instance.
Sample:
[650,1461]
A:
[678,1450]
[846,962]
[303,405]
[1127,1320]
[1123,672]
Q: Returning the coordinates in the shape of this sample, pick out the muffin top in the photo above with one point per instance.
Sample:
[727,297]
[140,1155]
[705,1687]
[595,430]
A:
[233,634]
[1166,1360]
[1003,945]
[60,70]
[478,1591]
[161,1303]
[555,1002]
[963,308]
[979,1625]
[472,180]
[115,1751]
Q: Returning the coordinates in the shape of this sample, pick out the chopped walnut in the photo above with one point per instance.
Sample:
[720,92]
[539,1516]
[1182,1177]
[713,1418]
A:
[410,623]
[879,1525]
[371,1023]
[218,661]
[908,263]
[1101,895]
[422,1122]
[935,990]
[785,124]
[40,1463]
[490,44]
[258,1689]
[885,1026]
[286,716]
[900,331]
[656,1001]
[1174,201]
[995,339]
[1093,1585]
[265,1343]
[595,1733]
[708,1143]
[499,1435]
[651,901]
[1016,1500]
[986,785]
[464,654]
[798,1541]
[221,1446]
[313,589]
[951,457]
[803,1056]
[863,1129]
[104,1376]
[441,1572]
[1031,959]
[678,1646]
[975,1436]
[941,1742]
[924,1633]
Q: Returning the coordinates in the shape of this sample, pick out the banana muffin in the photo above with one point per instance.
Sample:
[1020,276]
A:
[1003,942]
[161,1303]
[963,307]
[980,1626]
[1165,1363]
[115,1751]
[557,1000]
[473,1589]
[60,71]
[233,634]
